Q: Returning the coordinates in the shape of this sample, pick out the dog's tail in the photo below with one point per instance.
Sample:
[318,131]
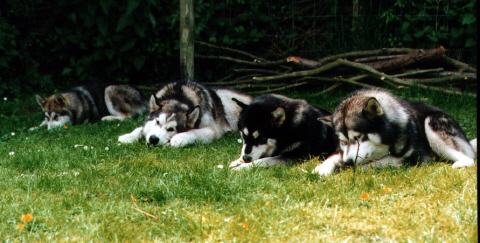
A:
[473,143]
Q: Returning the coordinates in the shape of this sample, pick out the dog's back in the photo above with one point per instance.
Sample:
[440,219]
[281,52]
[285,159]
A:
[90,102]
[297,132]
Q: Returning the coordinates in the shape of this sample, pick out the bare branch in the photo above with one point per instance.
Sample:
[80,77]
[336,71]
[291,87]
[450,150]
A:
[460,65]
[231,50]
[279,89]
[408,59]
[258,63]
[367,53]
[448,79]
[376,58]
[416,72]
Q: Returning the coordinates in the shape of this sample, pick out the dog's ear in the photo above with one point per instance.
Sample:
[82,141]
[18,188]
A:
[40,100]
[278,116]
[327,120]
[193,116]
[239,103]
[60,100]
[153,104]
[372,108]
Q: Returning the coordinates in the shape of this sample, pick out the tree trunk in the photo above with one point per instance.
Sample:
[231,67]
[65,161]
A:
[187,38]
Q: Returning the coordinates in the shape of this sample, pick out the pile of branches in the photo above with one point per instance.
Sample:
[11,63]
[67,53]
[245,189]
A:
[382,69]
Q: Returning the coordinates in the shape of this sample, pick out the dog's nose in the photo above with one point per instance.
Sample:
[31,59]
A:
[350,162]
[247,158]
[153,140]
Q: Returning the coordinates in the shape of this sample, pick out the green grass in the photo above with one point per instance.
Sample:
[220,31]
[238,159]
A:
[79,194]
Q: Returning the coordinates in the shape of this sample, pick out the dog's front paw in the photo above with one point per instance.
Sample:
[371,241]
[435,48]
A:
[463,163]
[324,169]
[181,140]
[135,135]
[236,163]
[241,166]
[127,138]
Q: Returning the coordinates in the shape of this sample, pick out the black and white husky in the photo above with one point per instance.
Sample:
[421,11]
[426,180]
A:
[91,102]
[186,112]
[276,129]
[376,128]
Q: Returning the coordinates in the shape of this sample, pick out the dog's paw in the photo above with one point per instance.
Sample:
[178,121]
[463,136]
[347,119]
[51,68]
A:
[112,118]
[324,169]
[181,140]
[241,166]
[236,163]
[463,163]
[127,138]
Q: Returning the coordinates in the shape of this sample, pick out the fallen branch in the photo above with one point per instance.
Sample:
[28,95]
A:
[376,58]
[280,89]
[254,63]
[367,69]
[462,67]
[231,50]
[367,53]
[408,59]
[417,72]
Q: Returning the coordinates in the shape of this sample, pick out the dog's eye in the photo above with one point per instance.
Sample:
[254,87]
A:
[158,122]
[170,129]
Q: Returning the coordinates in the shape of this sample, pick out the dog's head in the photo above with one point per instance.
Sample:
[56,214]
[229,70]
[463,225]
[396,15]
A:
[57,110]
[358,122]
[168,118]
[259,126]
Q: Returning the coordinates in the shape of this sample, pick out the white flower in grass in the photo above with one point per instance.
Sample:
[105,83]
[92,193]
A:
[76,173]
[91,147]
[86,147]
[106,148]
[11,153]
[220,166]
[239,140]
[4,98]
[13,134]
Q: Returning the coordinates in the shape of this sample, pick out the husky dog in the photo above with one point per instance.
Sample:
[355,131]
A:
[90,102]
[376,128]
[186,112]
[276,129]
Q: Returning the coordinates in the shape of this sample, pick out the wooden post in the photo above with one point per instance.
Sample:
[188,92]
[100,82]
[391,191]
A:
[357,12]
[187,39]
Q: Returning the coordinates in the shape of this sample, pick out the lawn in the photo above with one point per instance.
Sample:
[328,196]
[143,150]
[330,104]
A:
[80,185]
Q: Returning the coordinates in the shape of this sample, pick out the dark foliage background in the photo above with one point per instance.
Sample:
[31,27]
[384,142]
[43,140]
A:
[51,45]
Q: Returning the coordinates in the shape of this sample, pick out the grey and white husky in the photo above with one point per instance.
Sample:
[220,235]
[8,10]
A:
[186,112]
[89,103]
[377,128]
[276,130]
